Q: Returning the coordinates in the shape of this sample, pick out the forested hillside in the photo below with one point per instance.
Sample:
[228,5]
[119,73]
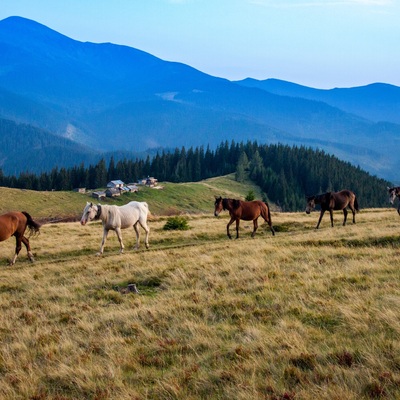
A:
[285,174]
[36,149]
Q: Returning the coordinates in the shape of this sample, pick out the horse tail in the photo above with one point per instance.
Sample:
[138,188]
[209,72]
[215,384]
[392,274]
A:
[34,227]
[269,221]
[356,203]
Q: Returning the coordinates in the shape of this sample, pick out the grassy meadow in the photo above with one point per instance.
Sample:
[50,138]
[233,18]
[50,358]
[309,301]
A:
[306,314]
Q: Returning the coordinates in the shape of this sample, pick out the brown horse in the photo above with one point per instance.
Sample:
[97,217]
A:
[246,210]
[393,193]
[15,224]
[334,201]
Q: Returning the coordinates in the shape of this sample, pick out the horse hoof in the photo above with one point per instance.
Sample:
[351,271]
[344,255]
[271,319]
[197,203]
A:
[99,254]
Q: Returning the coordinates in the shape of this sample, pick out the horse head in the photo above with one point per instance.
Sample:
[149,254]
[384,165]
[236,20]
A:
[393,193]
[218,206]
[310,204]
[90,212]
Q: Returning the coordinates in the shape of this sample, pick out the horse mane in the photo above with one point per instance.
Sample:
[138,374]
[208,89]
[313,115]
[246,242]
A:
[235,203]
[322,197]
[103,210]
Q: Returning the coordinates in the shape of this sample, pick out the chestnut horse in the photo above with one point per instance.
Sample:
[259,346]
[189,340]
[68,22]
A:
[334,201]
[246,210]
[393,193]
[15,224]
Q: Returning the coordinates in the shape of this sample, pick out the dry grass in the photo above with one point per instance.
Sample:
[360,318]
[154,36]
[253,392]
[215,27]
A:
[303,315]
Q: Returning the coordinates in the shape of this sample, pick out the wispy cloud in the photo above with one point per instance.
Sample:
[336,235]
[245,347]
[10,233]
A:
[319,3]
[178,1]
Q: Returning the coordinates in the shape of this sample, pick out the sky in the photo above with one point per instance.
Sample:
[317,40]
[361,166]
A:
[322,44]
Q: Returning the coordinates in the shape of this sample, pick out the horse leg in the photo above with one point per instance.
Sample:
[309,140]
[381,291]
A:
[267,219]
[144,225]
[25,241]
[237,227]
[119,235]
[137,235]
[255,226]
[331,214]
[103,242]
[227,227]
[345,216]
[353,210]
[18,247]
[320,218]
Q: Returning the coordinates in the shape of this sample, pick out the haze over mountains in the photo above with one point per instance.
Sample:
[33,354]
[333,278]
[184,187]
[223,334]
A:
[107,97]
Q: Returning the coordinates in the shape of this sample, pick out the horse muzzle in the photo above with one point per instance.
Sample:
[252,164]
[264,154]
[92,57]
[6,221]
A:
[216,213]
[83,222]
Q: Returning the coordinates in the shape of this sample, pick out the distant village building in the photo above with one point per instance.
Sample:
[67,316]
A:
[149,181]
[132,187]
[99,195]
[115,184]
[80,190]
[113,192]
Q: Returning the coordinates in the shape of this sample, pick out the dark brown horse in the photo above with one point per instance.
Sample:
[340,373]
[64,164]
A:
[393,193]
[246,210]
[15,224]
[334,201]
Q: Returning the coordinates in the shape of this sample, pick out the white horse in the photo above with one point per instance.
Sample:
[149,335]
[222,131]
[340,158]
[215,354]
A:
[117,218]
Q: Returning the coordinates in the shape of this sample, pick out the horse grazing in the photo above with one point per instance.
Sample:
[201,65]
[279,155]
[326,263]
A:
[118,217]
[334,201]
[246,210]
[393,193]
[14,224]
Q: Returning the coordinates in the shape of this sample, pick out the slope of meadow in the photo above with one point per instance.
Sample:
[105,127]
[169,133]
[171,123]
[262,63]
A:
[305,314]
[173,198]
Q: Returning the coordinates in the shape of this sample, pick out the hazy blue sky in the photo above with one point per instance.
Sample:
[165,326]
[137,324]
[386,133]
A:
[324,44]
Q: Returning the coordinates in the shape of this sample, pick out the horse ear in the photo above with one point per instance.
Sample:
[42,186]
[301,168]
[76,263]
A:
[91,204]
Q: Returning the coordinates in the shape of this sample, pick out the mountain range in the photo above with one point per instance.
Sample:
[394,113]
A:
[92,98]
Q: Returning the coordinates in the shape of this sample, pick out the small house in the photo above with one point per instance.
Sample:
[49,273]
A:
[115,184]
[131,187]
[99,195]
[113,192]
[151,181]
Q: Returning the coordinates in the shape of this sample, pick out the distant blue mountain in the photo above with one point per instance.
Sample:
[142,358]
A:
[107,97]
[376,102]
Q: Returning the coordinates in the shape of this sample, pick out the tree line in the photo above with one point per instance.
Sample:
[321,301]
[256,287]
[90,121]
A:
[285,174]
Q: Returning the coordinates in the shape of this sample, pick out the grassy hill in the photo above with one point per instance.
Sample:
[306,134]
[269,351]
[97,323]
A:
[174,198]
[304,314]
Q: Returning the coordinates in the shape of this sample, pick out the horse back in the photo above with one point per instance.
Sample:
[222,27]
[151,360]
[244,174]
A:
[251,210]
[342,199]
[127,215]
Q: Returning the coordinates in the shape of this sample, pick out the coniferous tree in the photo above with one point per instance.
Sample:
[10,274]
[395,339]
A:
[242,167]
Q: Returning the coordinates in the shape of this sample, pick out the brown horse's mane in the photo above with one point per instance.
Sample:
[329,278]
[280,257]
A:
[319,198]
[234,203]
